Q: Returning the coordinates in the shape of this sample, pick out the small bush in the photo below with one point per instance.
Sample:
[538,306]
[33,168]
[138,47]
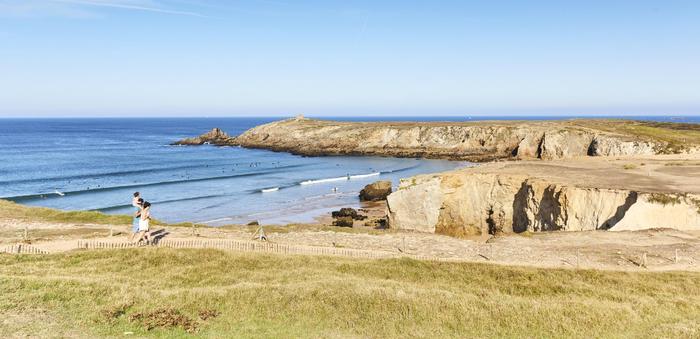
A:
[664,199]
[164,318]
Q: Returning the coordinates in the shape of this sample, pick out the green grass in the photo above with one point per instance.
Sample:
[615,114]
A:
[107,293]
[11,210]
[291,228]
[664,199]
[676,136]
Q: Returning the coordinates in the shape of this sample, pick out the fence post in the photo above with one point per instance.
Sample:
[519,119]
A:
[676,258]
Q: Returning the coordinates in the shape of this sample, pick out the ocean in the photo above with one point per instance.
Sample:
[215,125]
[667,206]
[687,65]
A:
[96,164]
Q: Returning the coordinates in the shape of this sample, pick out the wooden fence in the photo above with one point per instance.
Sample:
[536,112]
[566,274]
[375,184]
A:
[22,249]
[232,245]
[245,246]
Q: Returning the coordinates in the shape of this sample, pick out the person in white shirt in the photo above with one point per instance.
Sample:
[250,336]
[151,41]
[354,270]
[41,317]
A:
[144,222]
[137,215]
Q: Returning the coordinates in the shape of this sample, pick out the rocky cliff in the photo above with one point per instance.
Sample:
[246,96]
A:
[478,141]
[475,202]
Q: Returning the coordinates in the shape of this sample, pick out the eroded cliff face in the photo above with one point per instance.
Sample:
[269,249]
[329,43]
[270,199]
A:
[484,203]
[476,142]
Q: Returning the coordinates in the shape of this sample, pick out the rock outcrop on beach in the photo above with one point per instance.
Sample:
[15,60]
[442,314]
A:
[376,191]
[345,217]
[494,200]
[475,141]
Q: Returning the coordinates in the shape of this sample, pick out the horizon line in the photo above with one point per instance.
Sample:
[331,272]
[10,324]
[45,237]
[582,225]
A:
[466,116]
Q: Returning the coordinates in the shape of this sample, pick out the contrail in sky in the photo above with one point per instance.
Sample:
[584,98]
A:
[131,7]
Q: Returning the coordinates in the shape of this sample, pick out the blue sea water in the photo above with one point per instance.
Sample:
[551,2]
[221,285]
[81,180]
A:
[96,164]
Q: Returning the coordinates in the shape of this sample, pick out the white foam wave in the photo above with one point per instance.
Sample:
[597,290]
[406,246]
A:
[216,220]
[347,177]
[267,190]
[318,181]
[359,176]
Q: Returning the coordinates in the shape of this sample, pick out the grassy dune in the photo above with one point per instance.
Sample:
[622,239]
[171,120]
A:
[14,211]
[11,210]
[107,293]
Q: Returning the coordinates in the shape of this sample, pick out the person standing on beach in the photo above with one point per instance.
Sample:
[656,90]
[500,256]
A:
[144,222]
[135,201]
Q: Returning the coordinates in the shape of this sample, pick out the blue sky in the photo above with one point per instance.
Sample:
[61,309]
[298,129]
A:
[282,57]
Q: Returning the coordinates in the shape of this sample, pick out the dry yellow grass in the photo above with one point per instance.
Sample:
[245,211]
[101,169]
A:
[107,293]
[14,211]
[11,210]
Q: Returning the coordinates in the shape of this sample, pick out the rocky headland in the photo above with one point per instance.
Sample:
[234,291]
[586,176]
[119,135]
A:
[570,175]
[473,141]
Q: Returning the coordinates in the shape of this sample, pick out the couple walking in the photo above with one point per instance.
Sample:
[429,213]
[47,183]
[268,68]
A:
[142,218]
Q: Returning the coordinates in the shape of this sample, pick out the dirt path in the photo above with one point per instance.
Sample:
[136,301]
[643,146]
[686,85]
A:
[664,249]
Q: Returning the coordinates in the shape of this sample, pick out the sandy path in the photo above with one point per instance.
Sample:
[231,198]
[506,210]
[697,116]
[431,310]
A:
[596,249]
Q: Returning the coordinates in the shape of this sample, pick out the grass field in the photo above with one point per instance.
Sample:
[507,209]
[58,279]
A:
[221,294]
[677,136]
[11,210]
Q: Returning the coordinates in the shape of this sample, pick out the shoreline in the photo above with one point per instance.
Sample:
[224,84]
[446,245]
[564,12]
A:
[572,169]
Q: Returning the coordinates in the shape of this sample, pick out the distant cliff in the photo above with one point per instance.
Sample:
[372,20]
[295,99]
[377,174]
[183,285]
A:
[477,141]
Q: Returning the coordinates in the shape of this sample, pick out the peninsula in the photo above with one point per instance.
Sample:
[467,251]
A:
[568,175]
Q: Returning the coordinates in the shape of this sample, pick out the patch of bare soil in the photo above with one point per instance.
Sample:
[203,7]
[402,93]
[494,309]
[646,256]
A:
[656,250]
[658,173]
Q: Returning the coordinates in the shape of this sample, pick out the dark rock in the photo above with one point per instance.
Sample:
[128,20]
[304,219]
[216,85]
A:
[343,222]
[214,137]
[345,212]
[254,223]
[349,213]
[376,191]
